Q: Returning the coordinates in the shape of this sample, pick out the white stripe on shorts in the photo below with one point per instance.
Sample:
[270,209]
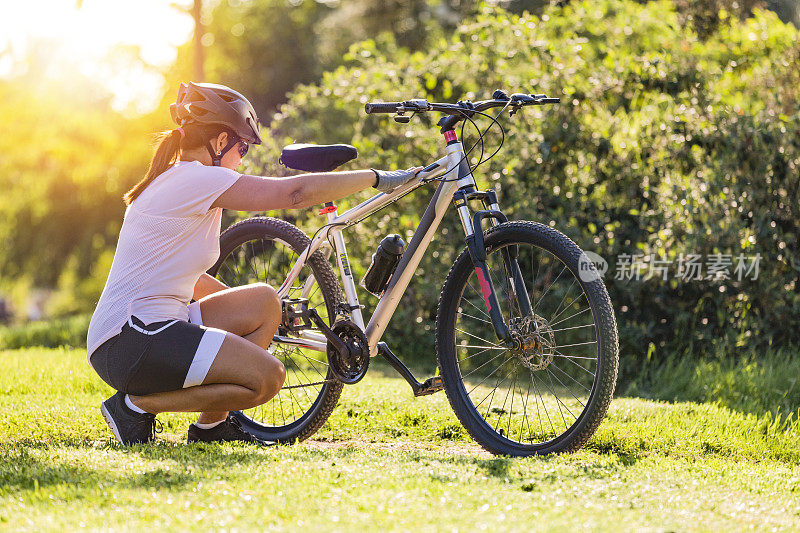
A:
[210,344]
[194,314]
[146,332]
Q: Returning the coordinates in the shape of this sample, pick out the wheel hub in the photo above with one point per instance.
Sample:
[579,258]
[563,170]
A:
[535,340]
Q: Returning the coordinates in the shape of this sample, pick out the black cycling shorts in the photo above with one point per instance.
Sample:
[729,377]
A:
[157,357]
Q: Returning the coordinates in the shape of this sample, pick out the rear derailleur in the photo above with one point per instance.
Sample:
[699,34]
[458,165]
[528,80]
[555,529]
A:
[348,349]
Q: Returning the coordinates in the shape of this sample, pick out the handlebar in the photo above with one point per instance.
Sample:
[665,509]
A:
[382,107]
[500,99]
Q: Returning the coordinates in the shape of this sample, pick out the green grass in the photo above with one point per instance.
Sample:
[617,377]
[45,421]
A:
[385,460]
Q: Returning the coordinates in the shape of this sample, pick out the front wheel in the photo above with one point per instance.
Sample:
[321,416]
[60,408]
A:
[551,393]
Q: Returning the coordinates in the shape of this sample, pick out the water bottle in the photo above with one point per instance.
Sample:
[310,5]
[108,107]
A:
[384,263]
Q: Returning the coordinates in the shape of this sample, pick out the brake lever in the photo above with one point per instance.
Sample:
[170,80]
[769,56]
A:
[468,105]
[518,100]
[415,106]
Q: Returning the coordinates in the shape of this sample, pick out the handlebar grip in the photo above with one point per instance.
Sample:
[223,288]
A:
[381,107]
[550,100]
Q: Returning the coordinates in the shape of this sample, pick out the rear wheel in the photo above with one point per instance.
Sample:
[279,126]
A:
[264,249]
[551,394]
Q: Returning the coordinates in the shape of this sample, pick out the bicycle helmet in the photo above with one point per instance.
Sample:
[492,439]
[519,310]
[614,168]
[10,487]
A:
[205,104]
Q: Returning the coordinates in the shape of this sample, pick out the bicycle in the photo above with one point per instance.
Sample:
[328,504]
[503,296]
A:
[519,330]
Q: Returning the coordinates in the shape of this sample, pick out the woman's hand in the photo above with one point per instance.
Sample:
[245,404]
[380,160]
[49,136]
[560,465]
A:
[387,181]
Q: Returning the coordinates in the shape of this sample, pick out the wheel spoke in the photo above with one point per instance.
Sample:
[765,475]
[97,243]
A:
[557,354]
[472,304]
[571,316]
[551,388]
[497,383]
[491,393]
[541,298]
[565,308]
[565,297]
[462,313]
[251,263]
[477,353]
[263,263]
[507,289]
[525,414]
[488,376]
[485,347]
[573,379]
[503,409]
[486,363]
[511,407]
[569,345]
[479,338]
[574,327]
[232,280]
[570,359]
[544,407]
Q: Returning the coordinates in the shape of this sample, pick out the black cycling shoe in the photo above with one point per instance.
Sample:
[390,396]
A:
[128,426]
[230,430]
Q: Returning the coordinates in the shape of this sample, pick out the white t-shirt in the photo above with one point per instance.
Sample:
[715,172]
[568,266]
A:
[169,238]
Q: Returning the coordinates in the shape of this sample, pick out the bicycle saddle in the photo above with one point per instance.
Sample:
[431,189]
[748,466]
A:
[317,157]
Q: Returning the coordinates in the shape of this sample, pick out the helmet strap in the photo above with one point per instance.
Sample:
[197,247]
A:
[216,158]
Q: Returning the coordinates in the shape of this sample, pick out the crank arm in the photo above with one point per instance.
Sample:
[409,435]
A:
[337,343]
[430,386]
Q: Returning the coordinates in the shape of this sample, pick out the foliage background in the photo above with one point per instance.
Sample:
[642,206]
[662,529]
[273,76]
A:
[665,144]
[679,132]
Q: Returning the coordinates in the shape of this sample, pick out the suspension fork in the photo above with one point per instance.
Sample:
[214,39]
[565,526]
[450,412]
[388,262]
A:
[477,250]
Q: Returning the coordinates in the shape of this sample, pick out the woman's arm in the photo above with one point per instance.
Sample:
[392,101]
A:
[207,285]
[255,193]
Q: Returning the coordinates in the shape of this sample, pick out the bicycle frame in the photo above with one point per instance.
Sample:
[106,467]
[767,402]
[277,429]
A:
[456,175]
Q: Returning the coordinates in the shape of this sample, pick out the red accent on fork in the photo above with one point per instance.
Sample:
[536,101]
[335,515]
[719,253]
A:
[450,135]
[485,289]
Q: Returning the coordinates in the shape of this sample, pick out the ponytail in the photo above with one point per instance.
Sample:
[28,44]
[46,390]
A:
[169,146]
[167,151]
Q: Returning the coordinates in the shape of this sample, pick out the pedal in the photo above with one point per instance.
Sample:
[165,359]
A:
[295,314]
[431,386]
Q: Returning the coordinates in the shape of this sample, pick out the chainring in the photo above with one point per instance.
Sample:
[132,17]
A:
[351,367]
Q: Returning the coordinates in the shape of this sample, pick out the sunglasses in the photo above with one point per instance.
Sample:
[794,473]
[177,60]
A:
[242,146]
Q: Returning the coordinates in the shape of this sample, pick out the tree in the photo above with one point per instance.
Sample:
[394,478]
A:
[199,59]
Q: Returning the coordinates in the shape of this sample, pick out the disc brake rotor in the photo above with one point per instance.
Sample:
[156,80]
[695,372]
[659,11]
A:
[536,342]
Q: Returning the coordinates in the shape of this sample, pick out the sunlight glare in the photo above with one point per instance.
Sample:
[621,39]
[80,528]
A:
[101,38]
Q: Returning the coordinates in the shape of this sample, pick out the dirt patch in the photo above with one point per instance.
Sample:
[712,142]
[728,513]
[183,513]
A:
[463,448]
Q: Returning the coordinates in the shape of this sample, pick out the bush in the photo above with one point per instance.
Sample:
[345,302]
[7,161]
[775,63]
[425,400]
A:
[752,382]
[664,144]
[49,334]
